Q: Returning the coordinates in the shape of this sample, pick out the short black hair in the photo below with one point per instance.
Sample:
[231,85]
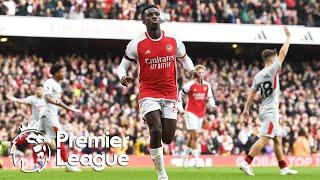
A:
[38,84]
[55,68]
[267,53]
[146,8]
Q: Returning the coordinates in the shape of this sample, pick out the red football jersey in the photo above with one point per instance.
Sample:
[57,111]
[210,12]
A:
[156,60]
[197,97]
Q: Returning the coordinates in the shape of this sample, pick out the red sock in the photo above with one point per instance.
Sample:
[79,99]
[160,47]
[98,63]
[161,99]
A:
[282,164]
[248,159]
[64,154]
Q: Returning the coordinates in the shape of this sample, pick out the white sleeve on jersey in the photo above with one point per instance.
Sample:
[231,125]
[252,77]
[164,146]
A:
[187,63]
[184,91]
[182,56]
[211,100]
[186,88]
[181,49]
[209,95]
[255,85]
[123,67]
[180,105]
[47,86]
[131,52]
[29,99]
[274,67]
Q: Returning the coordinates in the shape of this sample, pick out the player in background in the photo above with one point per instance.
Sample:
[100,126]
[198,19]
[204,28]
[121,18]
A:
[199,93]
[156,53]
[37,104]
[267,82]
[49,118]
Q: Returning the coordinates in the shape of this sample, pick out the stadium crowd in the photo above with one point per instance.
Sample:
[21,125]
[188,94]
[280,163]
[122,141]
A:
[293,12]
[93,86]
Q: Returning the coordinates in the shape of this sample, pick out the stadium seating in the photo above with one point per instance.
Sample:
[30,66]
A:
[292,12]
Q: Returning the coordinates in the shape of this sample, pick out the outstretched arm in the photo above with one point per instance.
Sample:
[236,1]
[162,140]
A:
[18,100]
[60,104]
[285,47]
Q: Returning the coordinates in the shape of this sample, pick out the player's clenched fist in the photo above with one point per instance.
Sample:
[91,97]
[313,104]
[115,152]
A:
[125,80]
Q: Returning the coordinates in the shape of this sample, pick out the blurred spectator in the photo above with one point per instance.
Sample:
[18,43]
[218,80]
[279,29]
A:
[290,12]
[226,143]
[301,146]
[76,12]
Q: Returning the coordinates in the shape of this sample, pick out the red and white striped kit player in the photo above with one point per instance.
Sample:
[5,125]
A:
[156,59]
[198,96]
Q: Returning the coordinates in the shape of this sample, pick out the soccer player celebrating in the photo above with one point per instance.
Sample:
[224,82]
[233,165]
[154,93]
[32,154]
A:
[199,93]
[156,52]
[49,120]
[267,82]
[36,102]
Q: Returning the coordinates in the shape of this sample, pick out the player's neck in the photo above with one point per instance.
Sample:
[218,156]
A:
[199,81]
[154,34]
[56,79]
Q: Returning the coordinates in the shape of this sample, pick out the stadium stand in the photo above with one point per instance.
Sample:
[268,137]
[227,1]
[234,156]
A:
[291,12]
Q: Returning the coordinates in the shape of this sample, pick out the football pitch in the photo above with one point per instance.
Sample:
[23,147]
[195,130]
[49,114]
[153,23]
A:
[261,173]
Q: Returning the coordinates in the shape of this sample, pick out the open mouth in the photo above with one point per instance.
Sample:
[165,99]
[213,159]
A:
[155,21]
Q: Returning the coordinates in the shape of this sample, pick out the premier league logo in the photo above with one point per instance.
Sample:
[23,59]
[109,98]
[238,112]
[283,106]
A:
[32,141]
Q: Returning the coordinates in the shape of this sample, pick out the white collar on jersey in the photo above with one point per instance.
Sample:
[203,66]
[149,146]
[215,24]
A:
[162,33]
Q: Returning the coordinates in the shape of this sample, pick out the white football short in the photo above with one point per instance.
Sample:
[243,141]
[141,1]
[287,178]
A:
[49,124]
[168,108]
[270,126]
[193,122]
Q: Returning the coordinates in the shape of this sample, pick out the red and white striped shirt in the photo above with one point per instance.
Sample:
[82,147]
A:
[156,59]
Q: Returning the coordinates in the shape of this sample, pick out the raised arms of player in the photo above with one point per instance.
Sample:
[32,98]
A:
[285,47]
[18,100]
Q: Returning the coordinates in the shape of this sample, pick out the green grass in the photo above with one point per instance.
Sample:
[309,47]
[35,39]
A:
[265,173]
